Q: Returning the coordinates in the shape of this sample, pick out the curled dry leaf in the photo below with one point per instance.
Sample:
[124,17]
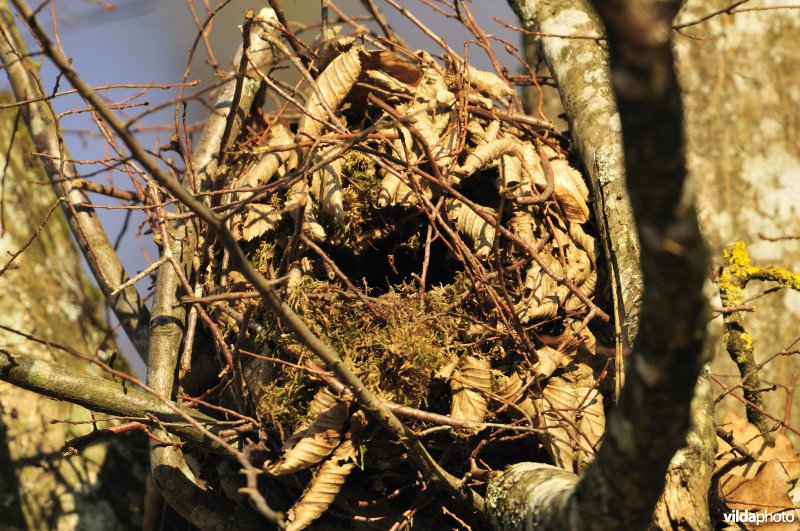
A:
[573,415]
[511,183]
[269,161]
[395,191]
[488,153]
[480,135]
[584,241]
[391,186]
[324,487]
[570,190]
[257,219]
[540,292]
[297,200]
[549,360]
[326,183]
[470,384]
[393,85]
[512,395]
[524,226]
[490,84]
[471,225]
[334,84]
[431,91]
[316,438]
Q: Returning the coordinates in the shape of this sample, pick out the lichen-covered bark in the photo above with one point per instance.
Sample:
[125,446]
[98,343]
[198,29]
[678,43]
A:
[621,488]
[580,67]
[46,293]
[58,166]
[739,80]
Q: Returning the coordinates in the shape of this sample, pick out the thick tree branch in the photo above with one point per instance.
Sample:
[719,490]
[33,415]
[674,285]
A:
[104,396]
[621,487]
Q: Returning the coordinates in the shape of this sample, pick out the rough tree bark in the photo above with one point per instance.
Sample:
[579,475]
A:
[44,292]
[650,423]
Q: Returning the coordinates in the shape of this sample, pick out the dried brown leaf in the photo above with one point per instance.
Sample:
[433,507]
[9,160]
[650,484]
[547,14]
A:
[326,183]
[540,298]
[488,83]
[297,198]
[570,190]
[432,92]
[549,360]
[486,154]
[512,395]
[766,492]
[269,161]
[258,220]
[324,487]
[316,438]
[573,415]
[471,225]
[470,384]
[512,184]
[334,83]
[392,84]
[394,65]
[523,225]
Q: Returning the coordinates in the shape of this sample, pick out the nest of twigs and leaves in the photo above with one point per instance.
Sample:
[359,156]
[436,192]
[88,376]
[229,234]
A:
[441,243]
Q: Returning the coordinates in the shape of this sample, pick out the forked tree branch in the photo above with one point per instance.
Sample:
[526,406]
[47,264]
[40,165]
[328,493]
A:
[621,487]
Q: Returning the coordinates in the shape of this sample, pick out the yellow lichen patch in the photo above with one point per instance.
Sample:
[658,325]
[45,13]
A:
[782,276]
[738,260]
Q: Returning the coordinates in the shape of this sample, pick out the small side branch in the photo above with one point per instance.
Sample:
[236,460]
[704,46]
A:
[736,273]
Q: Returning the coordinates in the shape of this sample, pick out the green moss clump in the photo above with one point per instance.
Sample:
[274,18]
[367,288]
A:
[396,355]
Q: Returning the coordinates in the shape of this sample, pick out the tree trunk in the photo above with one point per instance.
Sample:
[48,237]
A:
[45,293]
[739,79]
[648,426]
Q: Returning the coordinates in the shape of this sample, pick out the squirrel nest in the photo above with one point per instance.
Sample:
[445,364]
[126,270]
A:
[441,244]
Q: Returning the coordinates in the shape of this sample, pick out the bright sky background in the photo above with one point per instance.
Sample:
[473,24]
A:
[147,41]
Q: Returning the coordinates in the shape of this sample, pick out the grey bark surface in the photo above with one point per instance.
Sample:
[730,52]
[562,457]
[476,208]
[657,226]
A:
[46,293]
[651,421]
[739,79]
[580,67]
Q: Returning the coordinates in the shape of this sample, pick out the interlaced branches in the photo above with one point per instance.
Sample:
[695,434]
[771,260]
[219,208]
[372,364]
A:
[380,144]
[393,239]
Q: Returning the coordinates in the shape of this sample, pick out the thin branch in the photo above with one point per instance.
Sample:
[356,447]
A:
[380,19]
[726,10]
